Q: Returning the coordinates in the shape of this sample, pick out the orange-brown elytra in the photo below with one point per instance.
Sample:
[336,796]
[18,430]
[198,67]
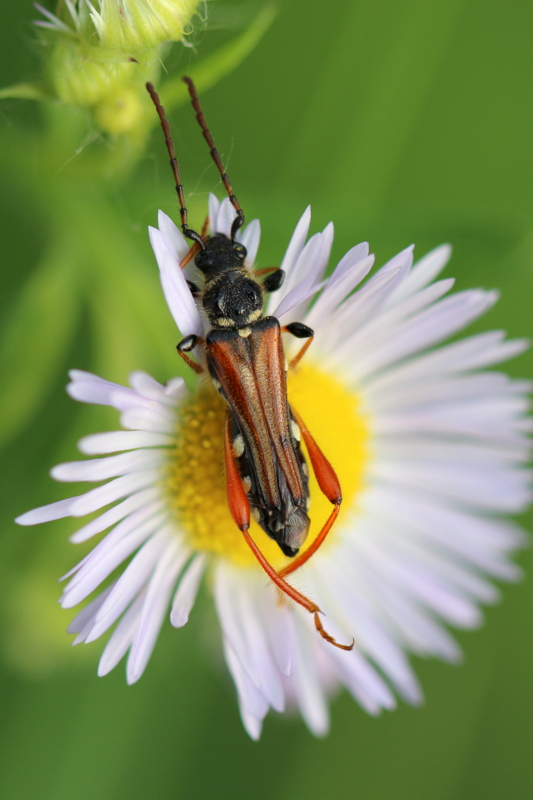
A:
[266,471]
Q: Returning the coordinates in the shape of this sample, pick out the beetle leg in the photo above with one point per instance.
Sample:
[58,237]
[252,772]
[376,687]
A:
[189,255]
[185,346]
[194,289]
[301,331]
[329,486]
[240,511]
[274,280]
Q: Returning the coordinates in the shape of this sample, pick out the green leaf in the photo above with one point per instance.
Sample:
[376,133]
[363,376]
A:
[25,91]
[34,340]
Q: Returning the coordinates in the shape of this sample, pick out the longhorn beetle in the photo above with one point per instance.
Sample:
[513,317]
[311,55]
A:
[266,471]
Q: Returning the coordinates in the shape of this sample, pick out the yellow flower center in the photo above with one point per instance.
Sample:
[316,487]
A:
[196,481]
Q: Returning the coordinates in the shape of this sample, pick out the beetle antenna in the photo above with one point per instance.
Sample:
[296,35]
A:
[238,222]
[188,232]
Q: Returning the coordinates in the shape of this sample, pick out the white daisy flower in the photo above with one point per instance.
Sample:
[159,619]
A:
[430,449]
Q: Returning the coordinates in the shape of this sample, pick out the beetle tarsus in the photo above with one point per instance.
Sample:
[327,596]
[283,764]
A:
[325,635]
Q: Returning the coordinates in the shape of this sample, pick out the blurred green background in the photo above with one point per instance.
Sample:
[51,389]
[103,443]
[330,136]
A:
[403,122]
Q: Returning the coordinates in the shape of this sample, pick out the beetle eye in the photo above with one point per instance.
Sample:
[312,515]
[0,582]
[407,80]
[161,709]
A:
[253,293]
[240,249]
[203,259]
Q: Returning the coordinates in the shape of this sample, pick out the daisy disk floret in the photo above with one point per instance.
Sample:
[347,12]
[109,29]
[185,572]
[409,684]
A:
[429,446]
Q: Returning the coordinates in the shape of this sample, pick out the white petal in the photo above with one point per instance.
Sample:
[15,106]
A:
[279,624]
[307,687]
[154,608]
[250,238]
[252,725]
[402,261]
[155,420]
[178,296]
[147,511]
[347,604]
[146,386]
[122,637]
[231,609]
[423,273]
[386,324]
[306,274]
[94,572]
[348,261]
[226,215]
[427,328]
[491,489]
[84,619]
[442,388]
[366,302]
[474,352]
[363,681]
[291,256]
[483,542]
[58,510]
[294,306]
[176,388]
[112,491]
[88,388]
[101,469]
[337,290]
[297,242]
[415,583]
[187,591]
[410,624]
[118,512]
[129,585]
[250,698]
[114,441]
[174,238]
[265,667]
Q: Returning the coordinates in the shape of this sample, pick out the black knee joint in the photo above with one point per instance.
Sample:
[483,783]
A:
[273,281]
[187,344]
[300,330]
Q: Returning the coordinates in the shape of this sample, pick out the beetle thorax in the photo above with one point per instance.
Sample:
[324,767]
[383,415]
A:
[231,297]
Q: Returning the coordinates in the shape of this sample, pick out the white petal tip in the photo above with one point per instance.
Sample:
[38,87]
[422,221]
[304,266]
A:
[179,620]
[61,473]
[252,726]
[132,677]
[26,519]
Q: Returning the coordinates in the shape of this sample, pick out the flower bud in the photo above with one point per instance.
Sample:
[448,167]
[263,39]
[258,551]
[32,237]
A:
[104,52]
[136,25]
[120,112]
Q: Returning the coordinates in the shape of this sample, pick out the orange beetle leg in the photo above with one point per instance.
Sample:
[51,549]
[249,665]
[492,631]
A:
[240,511]
[329,486]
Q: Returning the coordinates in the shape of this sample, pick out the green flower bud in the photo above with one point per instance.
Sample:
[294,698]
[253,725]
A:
[79,79]
[120,112]
[112,90]
[133,25]
[103,56]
